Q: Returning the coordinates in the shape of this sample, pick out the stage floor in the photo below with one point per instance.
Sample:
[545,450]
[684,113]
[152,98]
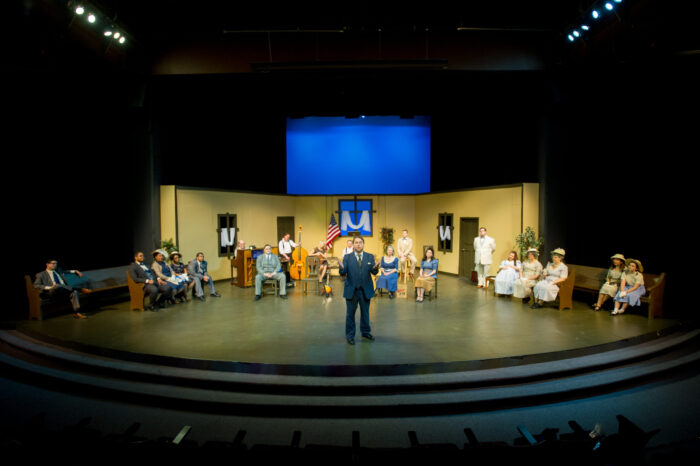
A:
[463,324]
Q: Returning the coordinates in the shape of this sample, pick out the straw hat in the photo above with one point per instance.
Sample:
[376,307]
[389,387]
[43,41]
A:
[534,251]
[161,251]
[175,253]
[639,264]
[618,256]
[559,252]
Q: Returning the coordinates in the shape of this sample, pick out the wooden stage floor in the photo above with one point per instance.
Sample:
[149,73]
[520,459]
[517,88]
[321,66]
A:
[463,324]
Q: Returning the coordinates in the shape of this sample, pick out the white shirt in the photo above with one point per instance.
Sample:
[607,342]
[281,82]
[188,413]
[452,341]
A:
[347,251]
[285,247]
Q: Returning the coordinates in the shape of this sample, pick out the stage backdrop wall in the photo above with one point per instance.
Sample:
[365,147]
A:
[189,215]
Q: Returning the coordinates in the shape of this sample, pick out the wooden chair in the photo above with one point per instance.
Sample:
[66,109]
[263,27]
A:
[270,286]
[313,265]
[136,294]
[430,294]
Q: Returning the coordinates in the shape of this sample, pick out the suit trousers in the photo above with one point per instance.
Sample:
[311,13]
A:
[153,290]
[482,271]
[414,261]
[351,308]
[198,291]
[64,291]
[279,276]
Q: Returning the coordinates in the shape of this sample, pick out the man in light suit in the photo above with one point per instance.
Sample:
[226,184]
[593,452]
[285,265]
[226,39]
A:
[404,248]
[268,265]
[197,269]
[54,285]
[484,246]
[357,267]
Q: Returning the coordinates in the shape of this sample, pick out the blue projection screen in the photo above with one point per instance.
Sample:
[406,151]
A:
[370,155]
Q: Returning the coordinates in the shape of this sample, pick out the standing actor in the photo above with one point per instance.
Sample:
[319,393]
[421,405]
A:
[404,247]
[484,246]
[268,266]
[197,269]
[359,288]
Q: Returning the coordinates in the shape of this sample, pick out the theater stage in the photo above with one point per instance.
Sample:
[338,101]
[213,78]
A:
[463,324]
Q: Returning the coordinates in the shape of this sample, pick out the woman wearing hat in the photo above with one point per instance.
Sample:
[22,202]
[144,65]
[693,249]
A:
[555,273]
[612,280]
[163,272]
[530,272]
[508,272]
[631,287]
[180,272]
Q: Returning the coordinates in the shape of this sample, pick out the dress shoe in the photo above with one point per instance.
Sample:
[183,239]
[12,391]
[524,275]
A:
[78,315]
[215,294]
[201,298]
[351,341]
[257,297]
[368,336]
[283,296]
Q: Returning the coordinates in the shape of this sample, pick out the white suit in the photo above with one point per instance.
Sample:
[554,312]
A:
[483,256]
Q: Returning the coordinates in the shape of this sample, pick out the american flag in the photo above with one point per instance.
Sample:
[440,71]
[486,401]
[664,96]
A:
[333,232]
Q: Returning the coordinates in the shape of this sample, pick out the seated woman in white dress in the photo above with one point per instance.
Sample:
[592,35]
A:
[508,272]
[612,280]
[631,287]
[555,273]
[530,272]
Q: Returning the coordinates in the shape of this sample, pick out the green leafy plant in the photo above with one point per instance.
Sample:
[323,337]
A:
[387,235]
[527,240]
[168,245]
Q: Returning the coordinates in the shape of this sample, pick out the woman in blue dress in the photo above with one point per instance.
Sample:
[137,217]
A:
[164,273]
[508,272]
[390,272]
[428,274]
[180,272]
[631,287]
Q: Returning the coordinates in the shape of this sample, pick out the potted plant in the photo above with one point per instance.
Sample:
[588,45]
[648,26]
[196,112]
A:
[527,240]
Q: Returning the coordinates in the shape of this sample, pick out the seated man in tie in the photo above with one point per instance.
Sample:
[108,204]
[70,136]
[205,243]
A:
[54,285]
[197,269]
[404,248]
[269,266]
[157,290]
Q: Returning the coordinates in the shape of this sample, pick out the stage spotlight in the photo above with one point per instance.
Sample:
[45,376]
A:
[576,33]
[79,10]
[362,116]
[571,38]
[91,18]
[609,6]
[595,14]
[122,40]
[585,27]
[116,35]
[108,34]
[618,1]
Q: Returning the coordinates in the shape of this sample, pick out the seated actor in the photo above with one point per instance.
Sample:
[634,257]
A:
[180,272]
[404,248]
[54,285]
[269,266]
[157,290]
[348,249]
[197,269]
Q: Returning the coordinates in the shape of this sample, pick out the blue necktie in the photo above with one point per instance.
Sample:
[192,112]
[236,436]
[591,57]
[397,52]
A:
[57,279]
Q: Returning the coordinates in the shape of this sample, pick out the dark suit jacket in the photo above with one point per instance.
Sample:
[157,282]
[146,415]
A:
[137,273]
[356,277]
[43,280]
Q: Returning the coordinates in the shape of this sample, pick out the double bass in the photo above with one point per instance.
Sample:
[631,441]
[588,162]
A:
[297,269]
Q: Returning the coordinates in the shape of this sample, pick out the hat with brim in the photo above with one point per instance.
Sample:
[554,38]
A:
[175,253]
[534,251]
[559,252]
[639,264]
[618,256]
[160,251]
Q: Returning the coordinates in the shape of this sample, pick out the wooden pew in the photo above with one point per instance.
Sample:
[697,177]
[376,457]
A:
[99,280]
[590,279]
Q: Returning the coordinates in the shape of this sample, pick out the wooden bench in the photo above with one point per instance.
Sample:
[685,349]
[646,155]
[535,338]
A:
[98,280]
[592,278]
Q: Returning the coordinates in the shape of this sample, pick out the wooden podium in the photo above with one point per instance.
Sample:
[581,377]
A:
[243,263]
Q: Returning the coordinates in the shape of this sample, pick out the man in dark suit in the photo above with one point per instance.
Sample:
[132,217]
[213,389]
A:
[54,285]
[358,268]
[156,289]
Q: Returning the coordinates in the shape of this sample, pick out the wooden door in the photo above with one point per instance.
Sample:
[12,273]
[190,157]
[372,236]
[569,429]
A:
[285,225]
[468,230]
